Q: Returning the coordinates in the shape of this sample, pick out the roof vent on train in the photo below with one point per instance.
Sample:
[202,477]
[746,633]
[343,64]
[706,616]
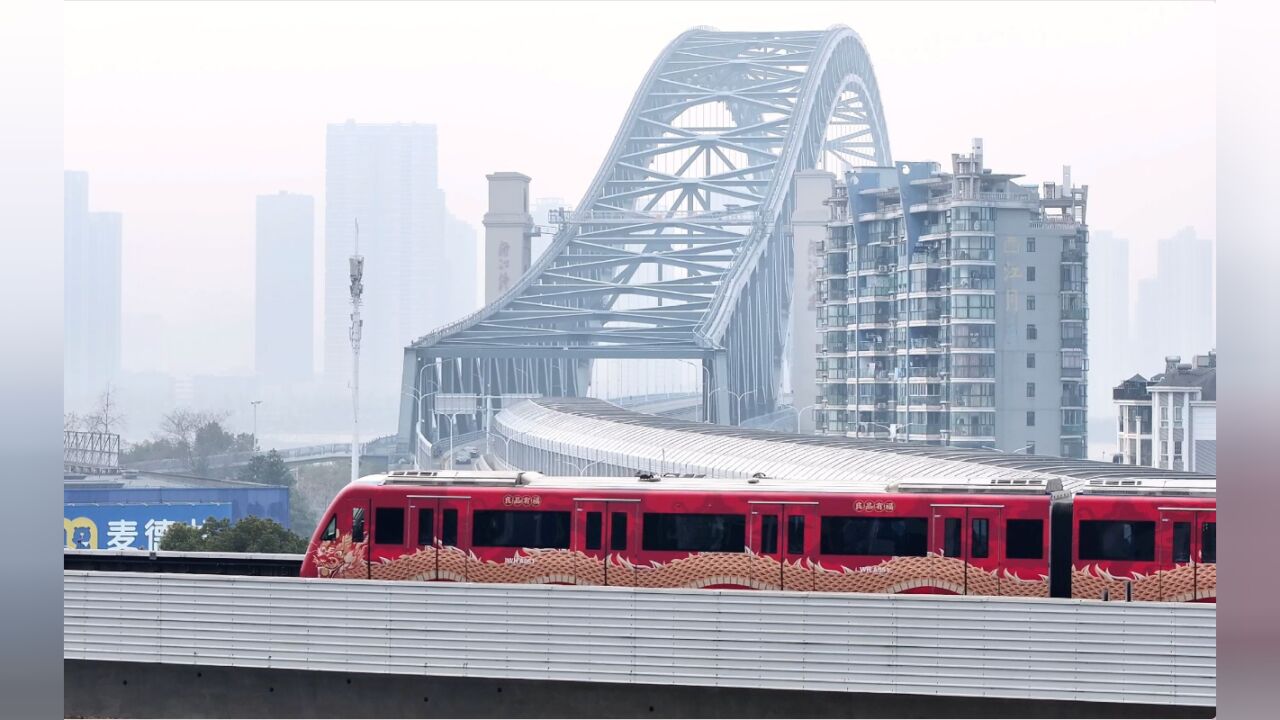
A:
[459,477]
[1035,486]
[1151,486]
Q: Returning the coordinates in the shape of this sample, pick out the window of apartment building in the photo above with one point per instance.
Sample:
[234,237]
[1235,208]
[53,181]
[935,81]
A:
[1177,451]
[1031,302]
[1031,360]
[973,307]
[1031,389]
[1031,332]
[1031,418]
[1031,244]
[973,365]
[1164,414]
[1177,414]
[1031,273]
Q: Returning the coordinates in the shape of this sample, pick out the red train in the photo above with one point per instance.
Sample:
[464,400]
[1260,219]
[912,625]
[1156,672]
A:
[1112,540]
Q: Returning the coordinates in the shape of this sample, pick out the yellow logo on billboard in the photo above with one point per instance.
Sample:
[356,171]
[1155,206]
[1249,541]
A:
[80,534]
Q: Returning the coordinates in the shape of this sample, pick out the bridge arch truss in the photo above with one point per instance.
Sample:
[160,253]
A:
[679,248]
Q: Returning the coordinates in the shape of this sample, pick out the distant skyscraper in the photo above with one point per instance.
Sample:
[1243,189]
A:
[283,302]
[462,258]
[91,277]
[385,177]
[1110,338]
[1175,308]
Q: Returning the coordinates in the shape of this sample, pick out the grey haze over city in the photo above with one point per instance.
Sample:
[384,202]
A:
[183,115]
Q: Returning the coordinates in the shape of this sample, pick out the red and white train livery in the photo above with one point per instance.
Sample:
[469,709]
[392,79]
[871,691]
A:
[1112,540]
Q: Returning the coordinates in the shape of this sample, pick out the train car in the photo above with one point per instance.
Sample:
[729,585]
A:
[1145,540]
[761,533]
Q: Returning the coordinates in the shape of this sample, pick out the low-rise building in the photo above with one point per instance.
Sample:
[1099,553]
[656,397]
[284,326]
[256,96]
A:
[1170,421]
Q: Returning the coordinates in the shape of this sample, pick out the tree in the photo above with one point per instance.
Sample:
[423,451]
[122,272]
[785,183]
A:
[250,535]
[267,469]
[71,421]
[180,427]
[105,416]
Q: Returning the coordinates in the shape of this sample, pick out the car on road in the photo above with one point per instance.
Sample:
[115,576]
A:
[461,458]
[472,451]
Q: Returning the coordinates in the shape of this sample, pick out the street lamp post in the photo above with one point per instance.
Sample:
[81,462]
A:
[706,410]
[739,397]
[255,404]
[800,414]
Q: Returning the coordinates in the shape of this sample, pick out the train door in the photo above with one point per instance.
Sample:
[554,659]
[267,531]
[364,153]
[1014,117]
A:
[1187,542]
[604,529]
[440,529]
[971,533]
[779,534]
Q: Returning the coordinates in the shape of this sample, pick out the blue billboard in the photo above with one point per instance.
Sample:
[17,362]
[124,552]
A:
[139,526]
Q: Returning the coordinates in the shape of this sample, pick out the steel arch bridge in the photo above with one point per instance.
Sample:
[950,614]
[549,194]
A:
[679,249]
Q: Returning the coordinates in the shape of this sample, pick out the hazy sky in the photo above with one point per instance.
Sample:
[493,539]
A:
[183,112]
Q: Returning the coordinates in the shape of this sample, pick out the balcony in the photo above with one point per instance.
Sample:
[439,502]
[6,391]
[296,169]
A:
[928,373]
[1072,400]
[1073,343]
[974,255]
[1075,313]
[1073,256]
[924,399]
[965,225]
[872,347]
[925,259]
[1073,428]
[1071,373]
[973,431]
[924,344]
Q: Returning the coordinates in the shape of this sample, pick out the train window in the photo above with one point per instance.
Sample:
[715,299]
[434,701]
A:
[388,526]
[521,528]
[595,528]
[1124,540]
[1182,542]
[1209,542]
[689,532]
[618,531]
[951,537]
[980,538]
[426,526]
[1024,539]
[357,525]
[768,534]
[903,537]
[795,534]
[330,530]
[449,527]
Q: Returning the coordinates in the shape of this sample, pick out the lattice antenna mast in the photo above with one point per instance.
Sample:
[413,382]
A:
[357,289]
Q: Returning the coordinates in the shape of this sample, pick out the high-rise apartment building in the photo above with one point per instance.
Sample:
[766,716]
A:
[952,309]
[91,294]
[383,176]
[1175,307]
[283,302]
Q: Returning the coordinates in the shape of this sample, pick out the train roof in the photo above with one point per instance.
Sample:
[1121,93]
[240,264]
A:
[645,482]
[1030,485]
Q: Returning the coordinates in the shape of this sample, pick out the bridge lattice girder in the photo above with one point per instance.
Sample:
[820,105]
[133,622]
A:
[678,249]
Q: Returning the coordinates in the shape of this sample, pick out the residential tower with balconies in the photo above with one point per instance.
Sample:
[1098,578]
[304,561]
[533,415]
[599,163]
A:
[952,309]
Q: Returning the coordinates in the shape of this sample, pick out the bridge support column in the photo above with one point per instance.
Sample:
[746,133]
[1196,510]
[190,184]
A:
[718,403]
